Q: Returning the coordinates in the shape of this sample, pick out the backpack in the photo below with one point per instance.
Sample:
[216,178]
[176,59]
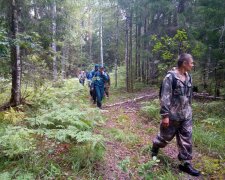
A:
[174,83]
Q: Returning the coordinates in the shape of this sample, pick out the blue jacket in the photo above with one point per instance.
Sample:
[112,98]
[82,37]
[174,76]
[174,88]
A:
[99,79]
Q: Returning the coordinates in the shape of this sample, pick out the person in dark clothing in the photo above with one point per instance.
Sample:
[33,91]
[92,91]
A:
[92,88]
[98,81]
[107,85]
[176,113]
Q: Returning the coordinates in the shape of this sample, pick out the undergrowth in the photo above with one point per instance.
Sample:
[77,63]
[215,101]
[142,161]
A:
[52,137]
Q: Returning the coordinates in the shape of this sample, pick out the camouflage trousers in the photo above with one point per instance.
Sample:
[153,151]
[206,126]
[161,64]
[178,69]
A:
[106,89]
[183,132]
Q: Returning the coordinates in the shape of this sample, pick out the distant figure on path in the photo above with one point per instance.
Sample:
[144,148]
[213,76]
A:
[82,77]
[176,113]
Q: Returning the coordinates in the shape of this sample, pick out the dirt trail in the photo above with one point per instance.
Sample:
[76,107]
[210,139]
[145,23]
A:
[130,154]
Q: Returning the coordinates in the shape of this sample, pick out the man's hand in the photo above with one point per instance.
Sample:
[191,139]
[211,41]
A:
[165,122]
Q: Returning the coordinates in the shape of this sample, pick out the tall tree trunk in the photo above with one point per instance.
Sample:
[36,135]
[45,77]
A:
[53,13]
[90,37]
[136,42]
[208,64]
[101,42]
[64,59]
[117,46]
[130,53]
[144,59]
[138,48]
[15,56]
[126,55]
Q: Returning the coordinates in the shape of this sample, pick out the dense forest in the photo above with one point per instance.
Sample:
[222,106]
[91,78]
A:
[45,114]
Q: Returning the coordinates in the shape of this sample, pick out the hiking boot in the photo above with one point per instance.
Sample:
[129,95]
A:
[189,169]
[99,105]
[155,151]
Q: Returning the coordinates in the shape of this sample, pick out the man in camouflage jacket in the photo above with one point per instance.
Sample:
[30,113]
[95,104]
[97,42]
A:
[176,113]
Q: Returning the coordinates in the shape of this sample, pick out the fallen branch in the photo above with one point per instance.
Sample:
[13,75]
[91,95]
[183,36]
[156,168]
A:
[206,96]
[152,96]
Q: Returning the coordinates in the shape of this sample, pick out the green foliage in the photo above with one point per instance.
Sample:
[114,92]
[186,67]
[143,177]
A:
[212,166]
[123,136]
[59,114]
[146,170]
[4,44]
[167,48]
[83,156]
[17,141]
[208,131]
[151,110]
[4,53]
[210,115]
[13,116]
[121,77]
[124,165]
[53,170]
[208,140]
[16,175]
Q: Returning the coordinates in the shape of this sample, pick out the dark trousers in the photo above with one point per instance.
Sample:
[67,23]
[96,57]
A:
[93,94]
[183,132]
[99,90]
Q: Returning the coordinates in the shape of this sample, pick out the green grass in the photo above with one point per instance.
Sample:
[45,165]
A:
[208,141]
[209,125]
[151,111]
[123,136]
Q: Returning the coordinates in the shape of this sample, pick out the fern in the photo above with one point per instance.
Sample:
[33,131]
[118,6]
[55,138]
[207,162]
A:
[17,141]
[71,134]
[13,116]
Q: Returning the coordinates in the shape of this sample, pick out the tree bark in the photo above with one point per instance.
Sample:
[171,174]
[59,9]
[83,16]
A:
[126,55]
[15,56]
[63,60]
[117,46]
[53,13]
[90,37]
[131,52]
[101,42]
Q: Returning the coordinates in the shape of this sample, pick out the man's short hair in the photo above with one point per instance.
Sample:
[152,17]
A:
[183,57]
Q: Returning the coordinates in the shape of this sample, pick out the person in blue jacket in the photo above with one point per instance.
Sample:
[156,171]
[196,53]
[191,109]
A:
[98,80]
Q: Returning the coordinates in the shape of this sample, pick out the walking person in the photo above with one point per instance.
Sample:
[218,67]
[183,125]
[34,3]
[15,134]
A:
[107,84]
[82,77]
[176,113]
[92,87]
[98,81]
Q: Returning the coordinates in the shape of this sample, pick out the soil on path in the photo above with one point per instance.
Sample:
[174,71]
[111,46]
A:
[128,140]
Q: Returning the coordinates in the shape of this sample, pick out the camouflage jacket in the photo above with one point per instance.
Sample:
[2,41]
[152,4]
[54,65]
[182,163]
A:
[176,104]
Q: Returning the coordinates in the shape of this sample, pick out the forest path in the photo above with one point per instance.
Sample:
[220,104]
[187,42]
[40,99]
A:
[128,141]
